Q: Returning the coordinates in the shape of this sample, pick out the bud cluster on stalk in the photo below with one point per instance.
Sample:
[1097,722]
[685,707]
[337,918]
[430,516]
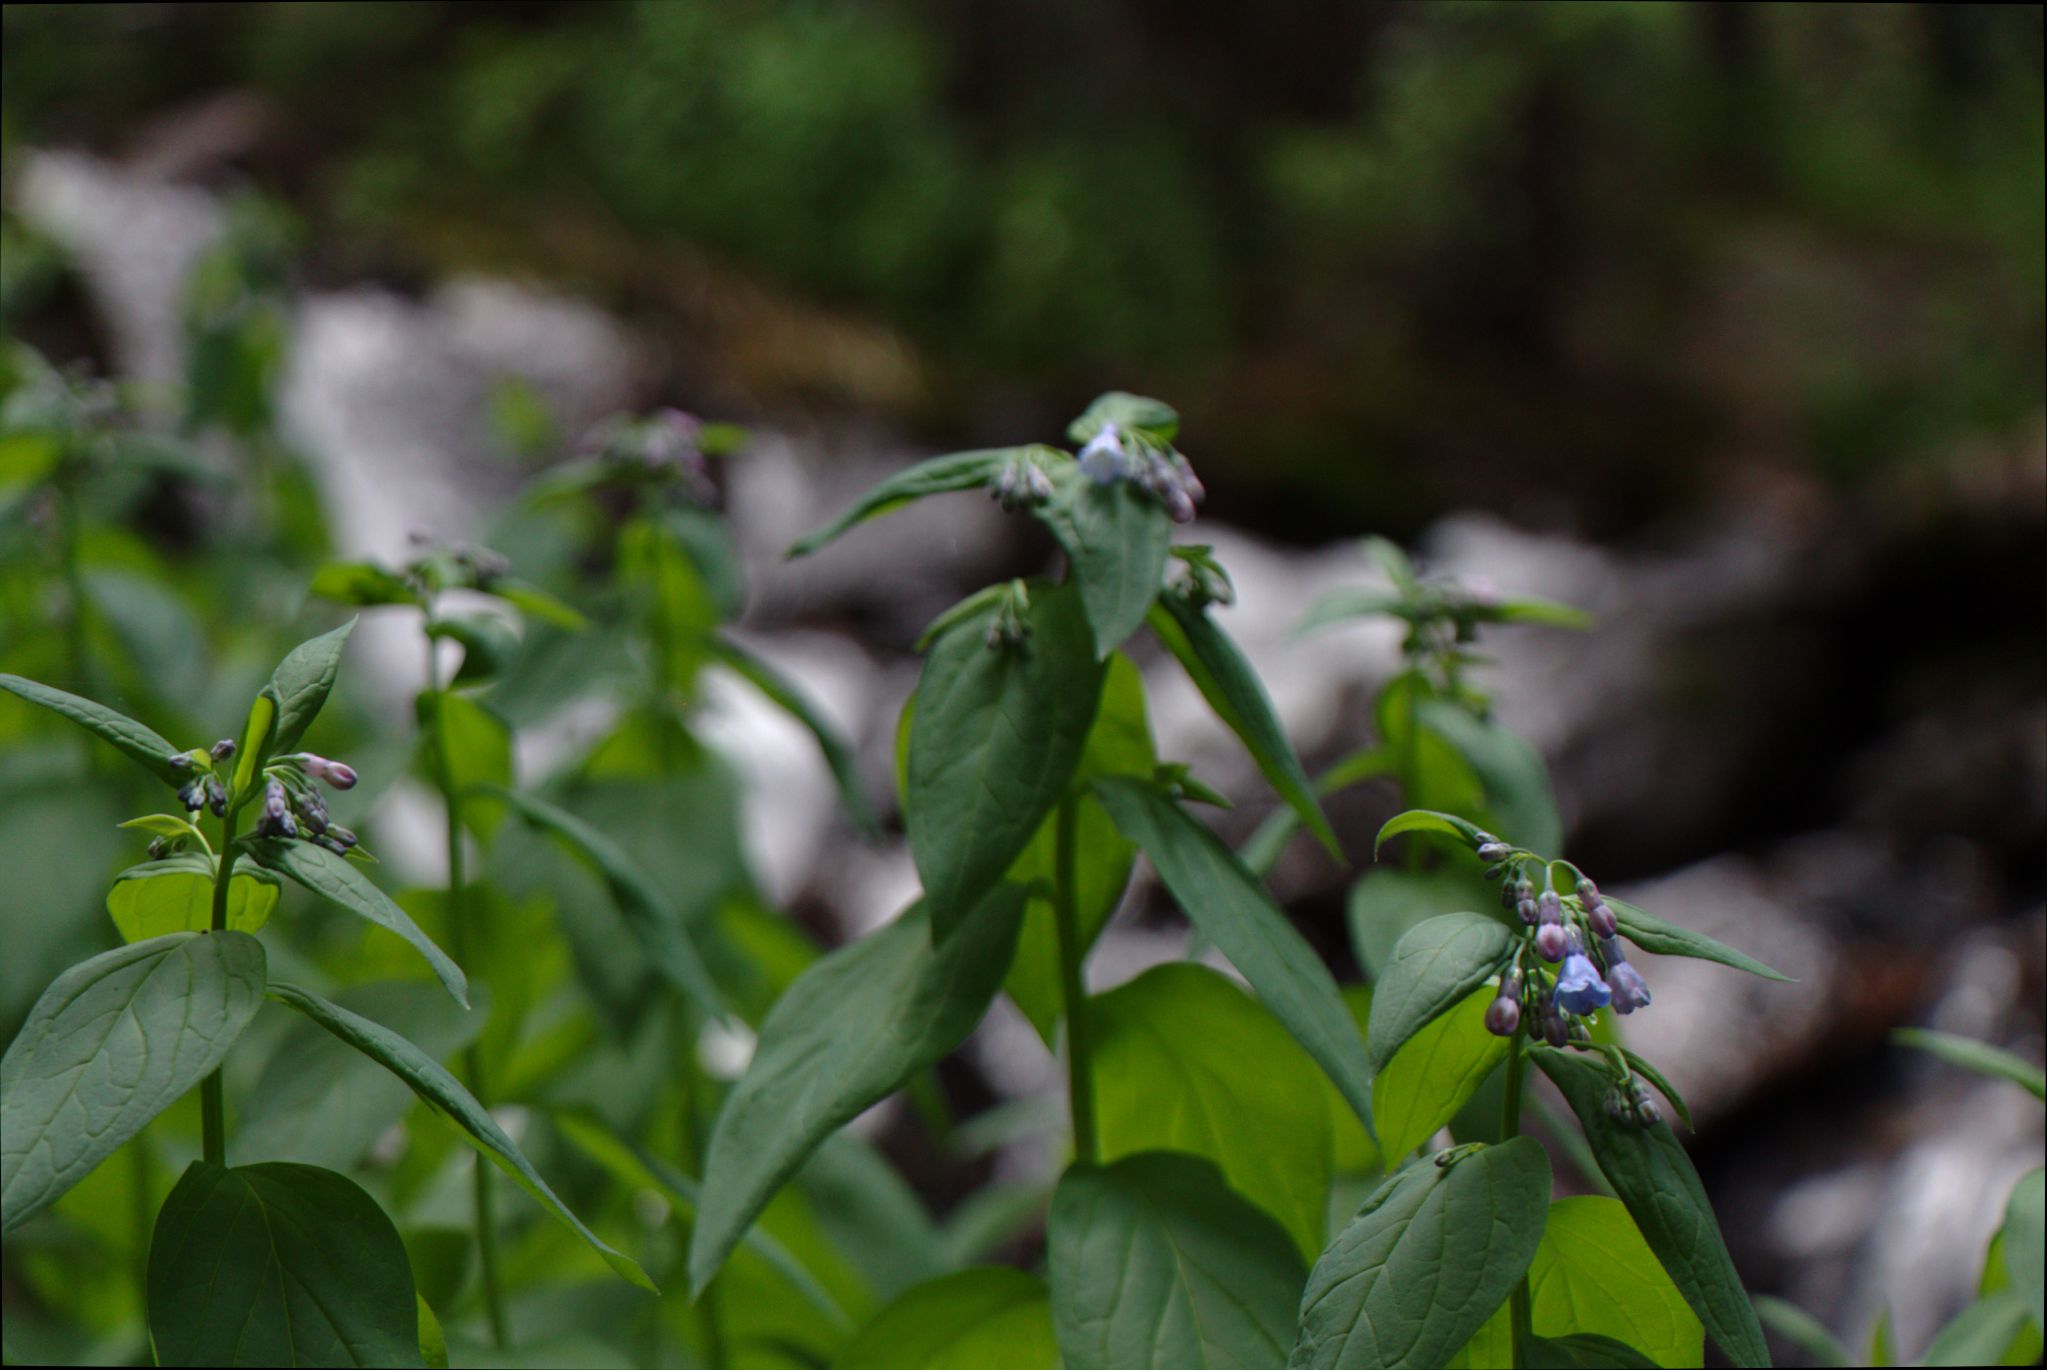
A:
[293,806]
[1574,930]
[666,447]
[1118,454]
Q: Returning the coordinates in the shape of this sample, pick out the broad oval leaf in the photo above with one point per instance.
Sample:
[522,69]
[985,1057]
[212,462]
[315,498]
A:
[176,895]
[302,682]
[845,1034]
[1225,902]
[431,1081]
[1183,1060]
[278,1264]
[1425,1262]
[1155,1262]
[139,743]
[993,746]
[1652,1175]
[1427,820]
[1435,1073]
[1389,902]
[940,475]
[334,879]
[1436,964]
[1982,1333]
[1595,1274]
[1226,680]
[111,1044]
[1116,536]
[986,1318]
[1652,934]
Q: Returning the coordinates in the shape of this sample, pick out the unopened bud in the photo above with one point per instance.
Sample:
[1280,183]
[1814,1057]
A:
[1503,1015]
[1550,1023]
[1549,908]
[275,802]
[1601,918]
[1550,942]
[338,838]
[335,773]
[223,749]
[192,794]
[1586,889]
[179,761]
[159,848]
[1647,1113]
[1507,900]
[1494,851]
[1526,908]
[216,796]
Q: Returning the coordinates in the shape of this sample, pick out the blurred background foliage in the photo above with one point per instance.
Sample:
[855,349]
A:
[1578,260]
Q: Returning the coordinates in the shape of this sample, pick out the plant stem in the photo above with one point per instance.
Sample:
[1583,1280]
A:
[212,1111]
[458,946]
[1510,1126]
[1080,1081]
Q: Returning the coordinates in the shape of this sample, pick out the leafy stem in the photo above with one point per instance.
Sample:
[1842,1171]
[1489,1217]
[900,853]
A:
[1080,1081]
[1510,1126]
[212,1112]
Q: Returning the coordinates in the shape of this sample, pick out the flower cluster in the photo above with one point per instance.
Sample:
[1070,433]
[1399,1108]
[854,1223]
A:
[1021,482]
[293,806]
[666,446]
[1116,454]
[1577,932]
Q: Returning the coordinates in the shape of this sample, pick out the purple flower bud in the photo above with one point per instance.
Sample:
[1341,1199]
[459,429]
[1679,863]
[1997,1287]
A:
[1579,988]
[1647,1113]
[1103,460]
[337,834]
[1507,900]
[1179,504]
[1494,851]
[192,794]
[1586,889]
[223,749]
[1629,991]
[1503,1015]
[1550,1024]
[216,796]
[1526,908]
[1550,942]
[1601,918]
[159,848]
[335,773]
[330,842]
[179,761]
[275,802]
[1550,908]
[312,811]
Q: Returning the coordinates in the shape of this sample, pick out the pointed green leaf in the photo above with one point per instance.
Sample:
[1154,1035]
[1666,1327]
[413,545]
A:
[165,825]
[278,1264]
[111,1044]
[139,743]
[1595,1274]
[987,1318]
[993,745]
[1155,1262]
[1584,1351]
[1389,902]
[1435,1073]
[1802,1330]
[335,880]
[1154,418]
[431,1081]
[488,644]
[535,602]
[850,1030]
[1348,603]
[653,919]
[1436,964]
[2025,1236]
[1116,536]
[1231,688]
[1981,1057]
[1426,1261]
[1981,1333]
[1652,1175]
[1543,611]
[1652,934]
[176,895]
[784,694]
[940,475]
[302,683]
[361,583]
[1225,902]
[1427,820]
[1518,795]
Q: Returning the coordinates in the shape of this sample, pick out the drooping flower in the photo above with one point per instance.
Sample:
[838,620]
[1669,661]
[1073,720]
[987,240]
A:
[1103,460]
[1630,992]
[1579,988]
[1551,943]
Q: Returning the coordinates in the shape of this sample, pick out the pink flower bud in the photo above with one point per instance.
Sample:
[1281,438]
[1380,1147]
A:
[338,774]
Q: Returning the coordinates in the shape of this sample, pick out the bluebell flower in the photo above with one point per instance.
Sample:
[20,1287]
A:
[1103,460]
[1629,991]
[1579,988]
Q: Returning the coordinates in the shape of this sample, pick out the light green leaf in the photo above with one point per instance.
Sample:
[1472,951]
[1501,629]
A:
[1593,1273]
[1435,1073]
[1542,611]
[1232,689]
[2025,1234]
[1652,1175]
[488,644]
[1225,902]
[433,1343]
[987,1318]
[335,880]
[434,1084]
[361,583]
[940,475]
[1436,964]
[535,602]
[479,749]
[176,895]
[1426,820]
[1980,1333]
[278,1264]
[139,743]
[1116,536]
[1491,1347]
[1517,786]
[1388,903]
[1981,1057]
[1154,418]
[111,1044]
[302,682]
[165,825]
[1351,602]
[993,746]
[1802,1330]
[1425,1262]
[1584,1351]
[784,694]
[1155,1262]
[1185,1061]
[851,1029]
[1652,934]
[654,921]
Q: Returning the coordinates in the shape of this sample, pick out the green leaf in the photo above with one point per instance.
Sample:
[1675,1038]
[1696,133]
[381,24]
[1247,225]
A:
[1981,1057]
[259,735]
[1225,902]
[1652,934]
[302,682]
[488,644]
[1543,611]
[434,1084]
[851,1029]
[1435,1073]
[1116,536]
[1154,418]
[335,880]
[1358,602]
[433,1343]
[321,1103]
[176,895]
[1426,1261]
[1655,1077]
[784,694]
[1438,963]
[1584,1351]
[278,1264]
[479,752]
[139,743]
[1490,1347]
[1981,1333]
[993,746]
[2025,1240]
[165,825]
[1802,1330]
[535,602]
[1652,1175]
[1231,688]
[111,1044]
[1183,1060]
[1155,1262]
[1594,1273]
[1388,903]
[940,475]
[1517,788]
[1426,820]
[361,583]
[988,1318]
[654,921]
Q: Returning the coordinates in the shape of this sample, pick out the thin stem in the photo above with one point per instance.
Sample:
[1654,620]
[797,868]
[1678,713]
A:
[1510,1126]
[1080,1082]
[458,946]
[212,1111]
